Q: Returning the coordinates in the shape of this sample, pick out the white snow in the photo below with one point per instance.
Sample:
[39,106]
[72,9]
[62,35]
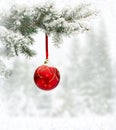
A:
[81,123]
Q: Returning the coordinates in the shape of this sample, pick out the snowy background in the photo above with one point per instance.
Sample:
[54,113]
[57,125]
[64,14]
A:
[85,98]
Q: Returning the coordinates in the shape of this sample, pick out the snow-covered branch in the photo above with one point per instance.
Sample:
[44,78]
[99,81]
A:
[21,22]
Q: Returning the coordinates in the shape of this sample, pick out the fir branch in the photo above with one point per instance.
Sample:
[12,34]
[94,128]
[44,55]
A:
[28,52]
[13,43]
[21,22]
[15,49]
[4,71]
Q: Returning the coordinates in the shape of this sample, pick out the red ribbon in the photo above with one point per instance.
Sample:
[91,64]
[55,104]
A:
[46,45]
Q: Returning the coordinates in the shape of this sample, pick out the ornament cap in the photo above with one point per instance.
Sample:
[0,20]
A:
[46,61]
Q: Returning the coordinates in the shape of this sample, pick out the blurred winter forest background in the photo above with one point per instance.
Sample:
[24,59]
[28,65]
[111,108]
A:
[87,66]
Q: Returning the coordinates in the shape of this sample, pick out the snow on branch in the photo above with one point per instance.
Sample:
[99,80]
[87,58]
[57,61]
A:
[14,43]
[21,22]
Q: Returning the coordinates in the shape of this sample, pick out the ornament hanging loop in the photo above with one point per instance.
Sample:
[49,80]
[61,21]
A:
[46,48]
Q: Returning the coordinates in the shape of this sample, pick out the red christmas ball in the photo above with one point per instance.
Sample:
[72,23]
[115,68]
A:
[46,77]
